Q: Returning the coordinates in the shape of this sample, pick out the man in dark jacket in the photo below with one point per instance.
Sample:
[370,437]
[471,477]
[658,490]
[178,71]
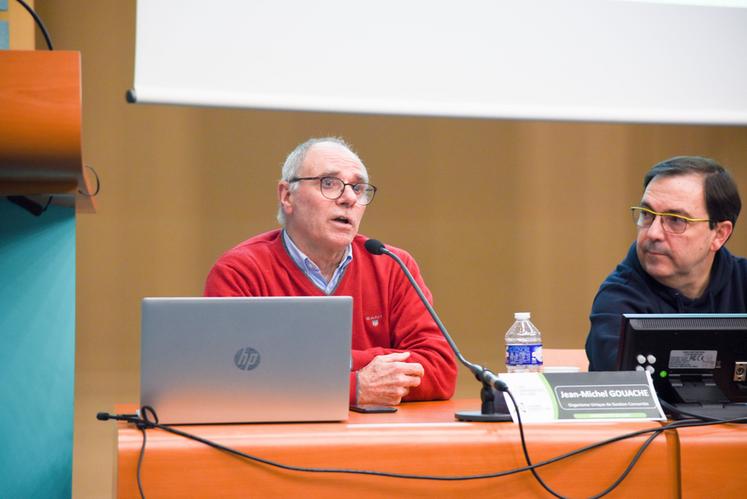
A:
[678,263]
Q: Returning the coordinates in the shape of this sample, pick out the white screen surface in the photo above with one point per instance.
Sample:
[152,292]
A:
[535,59]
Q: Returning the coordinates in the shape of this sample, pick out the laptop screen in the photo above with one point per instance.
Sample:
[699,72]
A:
[227,360]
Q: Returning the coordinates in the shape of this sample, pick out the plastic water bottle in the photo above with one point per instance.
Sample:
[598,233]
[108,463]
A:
[523,346]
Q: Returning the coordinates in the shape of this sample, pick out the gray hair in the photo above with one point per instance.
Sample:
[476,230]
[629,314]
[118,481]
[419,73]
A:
[295,160]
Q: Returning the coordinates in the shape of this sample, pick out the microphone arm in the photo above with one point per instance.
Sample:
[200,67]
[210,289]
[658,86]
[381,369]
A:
[482,374]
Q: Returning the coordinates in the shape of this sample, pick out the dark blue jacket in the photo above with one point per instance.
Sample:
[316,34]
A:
[629,289]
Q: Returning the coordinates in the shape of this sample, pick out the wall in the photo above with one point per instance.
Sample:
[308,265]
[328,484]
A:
[17,25]
[501,215]
[37,329]
[4,31]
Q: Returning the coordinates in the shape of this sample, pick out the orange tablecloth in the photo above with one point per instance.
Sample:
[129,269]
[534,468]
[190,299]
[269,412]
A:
[422,438]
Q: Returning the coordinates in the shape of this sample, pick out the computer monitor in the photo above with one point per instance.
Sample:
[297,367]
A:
[695,360]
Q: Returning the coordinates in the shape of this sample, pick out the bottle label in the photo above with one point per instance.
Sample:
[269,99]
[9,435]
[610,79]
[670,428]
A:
[524,355]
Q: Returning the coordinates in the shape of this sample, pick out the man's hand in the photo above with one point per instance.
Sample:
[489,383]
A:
[387,378]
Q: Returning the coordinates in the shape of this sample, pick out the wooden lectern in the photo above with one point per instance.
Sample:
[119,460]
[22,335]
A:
[40,127]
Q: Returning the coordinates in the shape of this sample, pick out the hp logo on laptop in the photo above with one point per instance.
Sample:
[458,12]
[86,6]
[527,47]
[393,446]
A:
[246,359]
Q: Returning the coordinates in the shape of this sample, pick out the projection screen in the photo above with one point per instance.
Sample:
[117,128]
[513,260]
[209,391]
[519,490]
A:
[596,60]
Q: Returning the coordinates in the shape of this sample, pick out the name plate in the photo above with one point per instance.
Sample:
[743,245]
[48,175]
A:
[583,397]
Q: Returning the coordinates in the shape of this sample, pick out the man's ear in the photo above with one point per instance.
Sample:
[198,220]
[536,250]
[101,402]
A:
[284,194]
[723,233]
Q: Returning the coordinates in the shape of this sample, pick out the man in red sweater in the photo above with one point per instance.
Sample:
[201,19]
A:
[398,352]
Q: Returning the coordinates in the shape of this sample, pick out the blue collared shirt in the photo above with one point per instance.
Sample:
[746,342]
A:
[312,270]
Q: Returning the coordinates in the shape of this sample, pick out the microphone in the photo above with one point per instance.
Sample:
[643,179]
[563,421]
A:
[105,416]
[375,247]
[493,405]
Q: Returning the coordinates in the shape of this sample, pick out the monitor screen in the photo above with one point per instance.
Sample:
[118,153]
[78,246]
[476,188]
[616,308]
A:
[692,358]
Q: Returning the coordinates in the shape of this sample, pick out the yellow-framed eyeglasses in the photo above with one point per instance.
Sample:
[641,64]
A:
[670,222]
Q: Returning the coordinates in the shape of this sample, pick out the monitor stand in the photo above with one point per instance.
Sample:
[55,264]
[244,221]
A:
[698,388]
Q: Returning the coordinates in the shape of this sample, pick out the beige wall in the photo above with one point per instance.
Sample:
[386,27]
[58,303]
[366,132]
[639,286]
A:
[21,26]
[501,215]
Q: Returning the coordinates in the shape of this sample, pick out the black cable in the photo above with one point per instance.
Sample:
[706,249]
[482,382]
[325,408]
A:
[98,184]
[26,203]
[169,429]
[630,466]
[700,421]
[149,424]
[29,204]
[679,412]
[38,23]
[618,481]
[140,463]
[335,470]
[694,423]
[524,448]
[145,422]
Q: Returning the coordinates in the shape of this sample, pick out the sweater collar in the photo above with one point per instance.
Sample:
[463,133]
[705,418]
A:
[720,270]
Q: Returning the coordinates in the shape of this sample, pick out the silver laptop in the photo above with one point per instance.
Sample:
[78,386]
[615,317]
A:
[235,360]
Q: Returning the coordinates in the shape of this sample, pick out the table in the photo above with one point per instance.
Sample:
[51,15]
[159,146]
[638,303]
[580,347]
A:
[421,438]
[712,460]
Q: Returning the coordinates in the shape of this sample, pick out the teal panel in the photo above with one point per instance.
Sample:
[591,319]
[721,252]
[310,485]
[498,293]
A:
[3,4]
[37,351]
[4,35]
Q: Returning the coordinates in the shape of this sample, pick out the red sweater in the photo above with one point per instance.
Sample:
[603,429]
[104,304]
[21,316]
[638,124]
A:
[387,313]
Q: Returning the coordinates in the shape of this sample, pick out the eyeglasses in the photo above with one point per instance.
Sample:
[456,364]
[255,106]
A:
[333,187]
[670,222]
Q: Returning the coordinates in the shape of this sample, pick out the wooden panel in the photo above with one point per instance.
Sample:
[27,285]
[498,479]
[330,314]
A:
[712,461]
[40,119]
[422,438]
[40,123]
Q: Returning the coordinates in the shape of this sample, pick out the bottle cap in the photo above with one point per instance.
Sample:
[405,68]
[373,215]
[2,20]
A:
[522,316]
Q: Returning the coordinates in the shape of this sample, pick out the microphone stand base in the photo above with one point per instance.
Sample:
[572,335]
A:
[494,408]
[477,416]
